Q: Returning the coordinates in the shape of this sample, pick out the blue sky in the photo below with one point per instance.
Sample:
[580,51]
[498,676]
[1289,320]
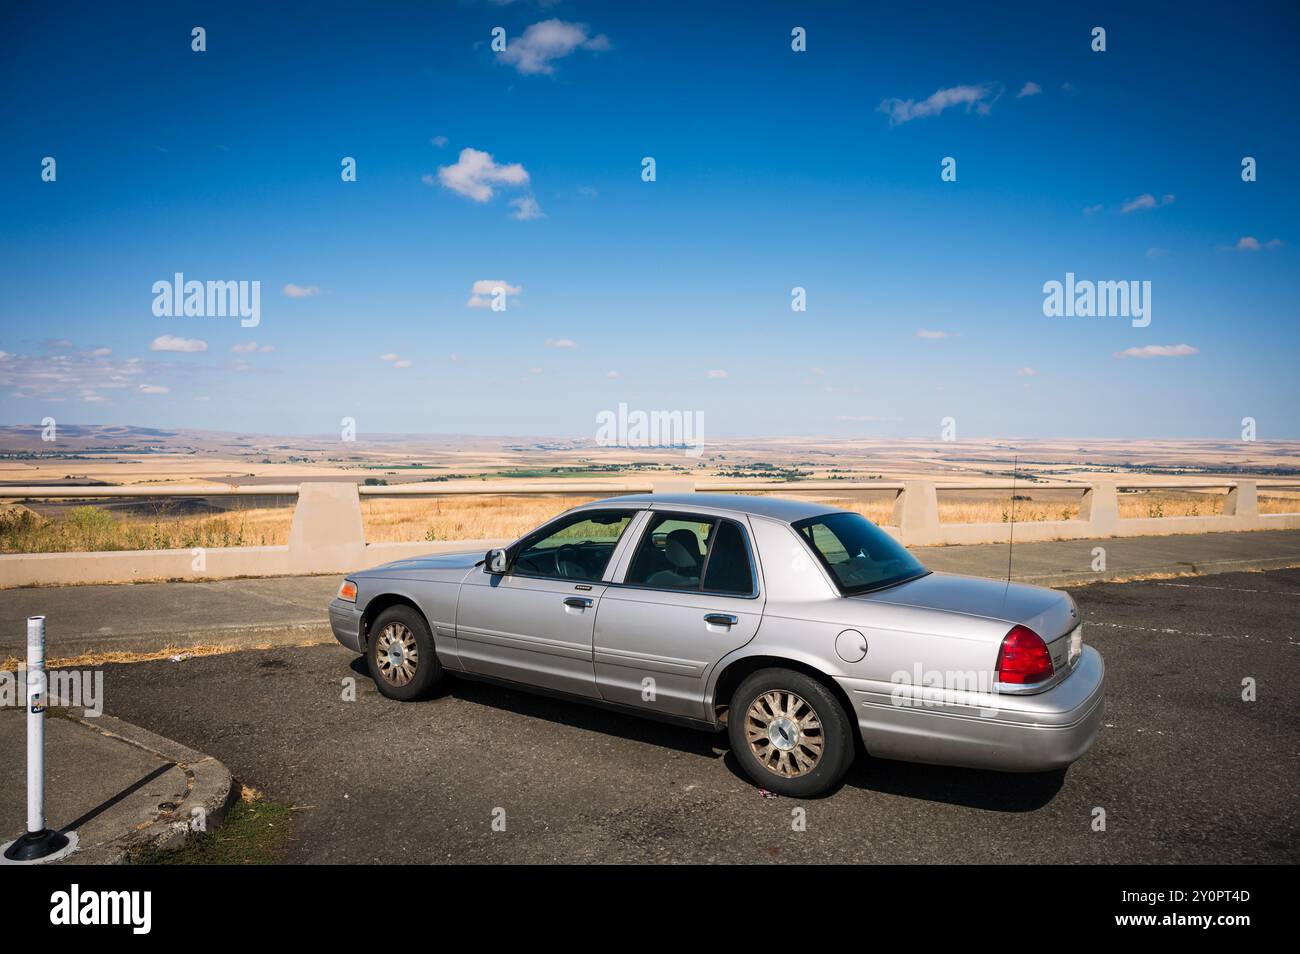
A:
[775,169]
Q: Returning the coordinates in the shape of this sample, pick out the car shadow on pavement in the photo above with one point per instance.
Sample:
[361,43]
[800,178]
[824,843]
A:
[573,713]
[968,788]
[591,718]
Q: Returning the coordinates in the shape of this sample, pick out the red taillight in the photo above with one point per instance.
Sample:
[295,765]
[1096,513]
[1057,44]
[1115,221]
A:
[1023,658]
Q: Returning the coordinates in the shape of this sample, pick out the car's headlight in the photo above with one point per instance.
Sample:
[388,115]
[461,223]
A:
[348,591]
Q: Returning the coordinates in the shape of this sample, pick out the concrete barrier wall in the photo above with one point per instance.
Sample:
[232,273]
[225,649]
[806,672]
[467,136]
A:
[327,535]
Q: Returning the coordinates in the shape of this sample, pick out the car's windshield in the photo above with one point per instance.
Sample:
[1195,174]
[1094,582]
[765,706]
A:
[858,554]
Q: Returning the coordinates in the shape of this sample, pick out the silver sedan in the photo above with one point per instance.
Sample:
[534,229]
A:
[783,622]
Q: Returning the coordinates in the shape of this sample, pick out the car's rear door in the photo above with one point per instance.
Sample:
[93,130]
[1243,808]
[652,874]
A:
[673,613]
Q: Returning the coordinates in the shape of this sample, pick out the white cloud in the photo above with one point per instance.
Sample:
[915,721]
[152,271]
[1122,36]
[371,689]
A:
[1029,89]
[482,292]
[1248,243]
[486,286]
[547,41]
[475,173]
[395,360]
[100,352]
[527,209]
[1093,209]
[560,343]
[440,141]
[154,389]
[1026,372]
[1145,201]
[55,376]
[980,98]
[717,373]
[402,363]
[929,335]
[818,371]
[300,291]
[1158,351]
[534,370]
[612,374]
[248,348]
[174,343]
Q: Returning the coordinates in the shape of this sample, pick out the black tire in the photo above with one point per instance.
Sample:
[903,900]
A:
[388,676]
[836,734]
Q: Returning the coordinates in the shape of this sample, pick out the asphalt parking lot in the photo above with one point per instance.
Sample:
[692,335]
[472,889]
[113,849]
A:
[1185,770]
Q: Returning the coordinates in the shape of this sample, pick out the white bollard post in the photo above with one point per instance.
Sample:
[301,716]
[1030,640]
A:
[35,724]
[39,843]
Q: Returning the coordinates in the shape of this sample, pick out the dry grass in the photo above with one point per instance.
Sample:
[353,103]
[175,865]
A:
[401,519]
[505,516]
[1279,503]
[94,529]
[90,660]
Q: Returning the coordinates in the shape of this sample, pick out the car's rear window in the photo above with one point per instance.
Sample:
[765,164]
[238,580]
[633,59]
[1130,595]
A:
[858,554]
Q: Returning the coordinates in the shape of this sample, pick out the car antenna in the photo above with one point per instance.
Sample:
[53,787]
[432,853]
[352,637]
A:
[1011,538]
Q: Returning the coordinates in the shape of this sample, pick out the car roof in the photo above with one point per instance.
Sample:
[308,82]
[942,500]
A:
[778,508]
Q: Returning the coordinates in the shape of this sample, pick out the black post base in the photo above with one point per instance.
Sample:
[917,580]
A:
[36,845]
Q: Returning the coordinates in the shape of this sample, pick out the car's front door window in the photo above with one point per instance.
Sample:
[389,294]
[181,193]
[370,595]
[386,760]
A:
[577,548]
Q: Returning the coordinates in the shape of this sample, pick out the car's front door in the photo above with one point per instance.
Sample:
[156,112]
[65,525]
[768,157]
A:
[690,595]
[534,623]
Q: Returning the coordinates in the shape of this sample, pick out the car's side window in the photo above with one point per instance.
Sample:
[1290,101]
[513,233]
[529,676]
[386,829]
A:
[729,570]
[578,548]
[680,552]
[671,554]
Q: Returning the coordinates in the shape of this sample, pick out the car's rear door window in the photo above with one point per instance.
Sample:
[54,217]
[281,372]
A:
[729,569]
[671,554]
[700,554]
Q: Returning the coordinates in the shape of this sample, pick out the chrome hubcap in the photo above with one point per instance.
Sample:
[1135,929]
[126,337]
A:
[397,654]
[784,733]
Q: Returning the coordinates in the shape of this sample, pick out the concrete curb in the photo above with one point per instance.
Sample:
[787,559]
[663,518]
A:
[210,791]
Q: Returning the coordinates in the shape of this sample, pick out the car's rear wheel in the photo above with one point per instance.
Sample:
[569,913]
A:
[400,654]
[790,733]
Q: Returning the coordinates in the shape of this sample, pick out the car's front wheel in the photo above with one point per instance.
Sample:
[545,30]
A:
[790,733]
[400,654]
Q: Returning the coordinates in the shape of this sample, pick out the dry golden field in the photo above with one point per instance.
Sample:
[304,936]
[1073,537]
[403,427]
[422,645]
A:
[483,517]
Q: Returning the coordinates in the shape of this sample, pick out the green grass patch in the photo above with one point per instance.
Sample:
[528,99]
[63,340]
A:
[254,833]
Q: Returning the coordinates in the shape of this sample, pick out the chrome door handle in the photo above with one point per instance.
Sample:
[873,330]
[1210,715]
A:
[721,619]
[577,602]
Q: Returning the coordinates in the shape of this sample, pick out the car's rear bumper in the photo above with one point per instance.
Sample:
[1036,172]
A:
[986,730]
[345,620]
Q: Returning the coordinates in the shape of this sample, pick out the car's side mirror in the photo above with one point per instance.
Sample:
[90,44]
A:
[495,561]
